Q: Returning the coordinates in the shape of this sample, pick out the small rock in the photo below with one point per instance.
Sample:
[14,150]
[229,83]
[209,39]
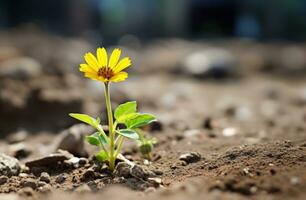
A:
[123,170]
[101,168]
[9,166]
[45,177]
[89,174]
[41,183]
[83,161]
[61,178]
[156,182]
[247,172]
[173,166]
[3,179]
[146,162]
[83,189]
[158,172]
[45,189]
[229,132]
[138,172]
[190,157]
[74,162]
[72,139]
[29,183]
[47,161]
[24,175]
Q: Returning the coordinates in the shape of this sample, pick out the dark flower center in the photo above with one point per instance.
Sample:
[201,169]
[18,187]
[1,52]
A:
[105,72]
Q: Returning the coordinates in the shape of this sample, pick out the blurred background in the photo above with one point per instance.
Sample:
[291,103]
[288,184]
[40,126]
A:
[208,41]
[111,20]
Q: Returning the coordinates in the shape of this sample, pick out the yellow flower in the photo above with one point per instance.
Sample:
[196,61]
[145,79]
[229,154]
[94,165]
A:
[99,69]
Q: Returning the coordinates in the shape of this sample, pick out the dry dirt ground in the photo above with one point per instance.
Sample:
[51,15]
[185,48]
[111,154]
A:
[245,134]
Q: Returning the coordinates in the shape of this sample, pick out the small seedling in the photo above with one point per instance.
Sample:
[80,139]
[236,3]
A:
[100,69]
[145,144]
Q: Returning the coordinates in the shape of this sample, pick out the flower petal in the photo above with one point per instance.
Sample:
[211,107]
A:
[86,68]
[114,58]
[102,57]
[91,76]
[91,61]
[121,76]
[124,63]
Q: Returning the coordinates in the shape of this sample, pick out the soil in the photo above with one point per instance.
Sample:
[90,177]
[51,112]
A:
[249,130]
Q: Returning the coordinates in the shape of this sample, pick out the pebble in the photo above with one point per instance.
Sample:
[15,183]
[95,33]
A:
[123,170]
[229,132]
[158,172]
[146,162]
[45,177]
[9,166]
[138,172]
[61,178]
[3,180]
[74,161]
[190,157]
[83,161]
[48,161]
[23,175]
[29,183]
[155,181]
[88,174]
[41,183]
[45,189]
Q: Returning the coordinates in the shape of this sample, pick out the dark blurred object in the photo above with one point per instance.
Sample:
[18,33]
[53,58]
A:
[155,18]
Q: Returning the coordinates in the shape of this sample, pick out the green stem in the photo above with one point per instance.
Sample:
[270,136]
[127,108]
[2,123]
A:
[119,147]
[101,131]
[112,157]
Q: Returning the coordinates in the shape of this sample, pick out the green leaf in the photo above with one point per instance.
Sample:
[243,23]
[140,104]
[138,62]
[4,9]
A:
[95,139]
[125,109]
[85,118]
[128,133]
[125,118]
[139,120]
[101,156]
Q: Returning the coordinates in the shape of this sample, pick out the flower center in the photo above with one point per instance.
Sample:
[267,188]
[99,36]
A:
[105,72]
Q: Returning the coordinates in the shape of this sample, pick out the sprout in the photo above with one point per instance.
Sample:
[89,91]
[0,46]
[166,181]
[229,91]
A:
[100,70]
[145,144]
